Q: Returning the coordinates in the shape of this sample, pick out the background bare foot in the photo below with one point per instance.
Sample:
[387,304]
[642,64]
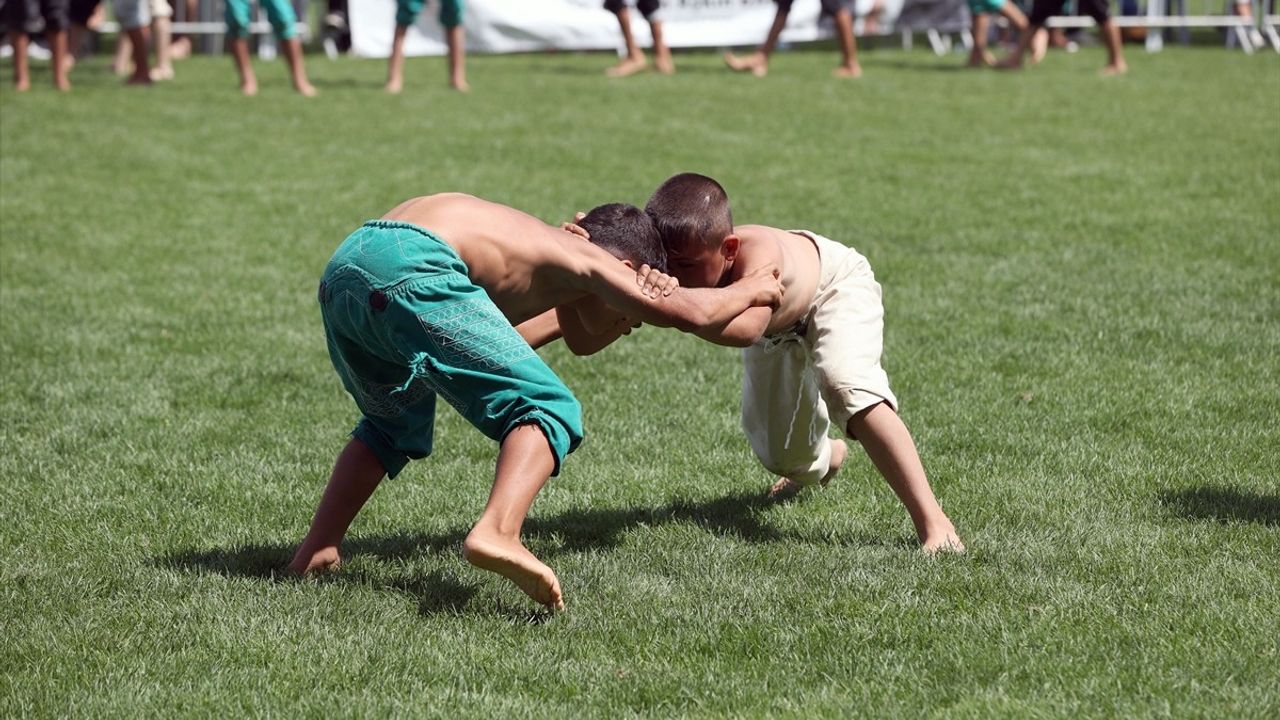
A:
[629,66]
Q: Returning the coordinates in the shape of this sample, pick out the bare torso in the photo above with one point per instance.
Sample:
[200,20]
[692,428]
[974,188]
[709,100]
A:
[519,260]
[798,268]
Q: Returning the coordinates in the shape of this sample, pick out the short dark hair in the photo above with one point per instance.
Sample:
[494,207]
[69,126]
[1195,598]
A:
[689,210]
[628,233]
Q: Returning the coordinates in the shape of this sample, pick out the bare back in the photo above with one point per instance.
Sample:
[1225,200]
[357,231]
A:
[519,260]
[798,266]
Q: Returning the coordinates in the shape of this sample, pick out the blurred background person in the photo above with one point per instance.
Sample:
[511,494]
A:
[407,12]
[635,60]
[161,36]
[24,18]
[981,11]
[1042,10]
[841,12]
[284,23]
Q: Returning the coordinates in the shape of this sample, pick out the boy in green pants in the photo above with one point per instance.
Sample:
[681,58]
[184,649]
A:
[425,301]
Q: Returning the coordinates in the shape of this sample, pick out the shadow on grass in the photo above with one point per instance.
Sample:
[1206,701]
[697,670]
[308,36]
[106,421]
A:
[927,66]
[737,514]
[1222,504]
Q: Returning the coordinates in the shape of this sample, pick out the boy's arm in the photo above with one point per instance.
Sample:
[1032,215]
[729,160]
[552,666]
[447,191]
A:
[540,330]
[741,331]
[581,341]
[686,309]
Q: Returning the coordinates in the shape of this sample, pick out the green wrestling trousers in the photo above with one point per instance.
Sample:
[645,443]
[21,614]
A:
[405,323]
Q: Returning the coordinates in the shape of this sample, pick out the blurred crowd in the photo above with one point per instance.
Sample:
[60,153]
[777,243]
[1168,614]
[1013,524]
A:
[62,31]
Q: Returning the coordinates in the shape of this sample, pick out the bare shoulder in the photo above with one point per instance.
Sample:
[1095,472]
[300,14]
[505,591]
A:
[758,245]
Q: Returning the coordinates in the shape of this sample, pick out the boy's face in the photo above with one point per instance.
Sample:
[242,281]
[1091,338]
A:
[701,264]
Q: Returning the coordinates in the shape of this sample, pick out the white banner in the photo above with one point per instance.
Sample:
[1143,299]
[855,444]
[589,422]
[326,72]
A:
[500,26]
[503,26]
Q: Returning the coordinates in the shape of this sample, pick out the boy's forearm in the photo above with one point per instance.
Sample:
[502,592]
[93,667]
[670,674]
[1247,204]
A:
[713,308]
[742,331]
[540,330]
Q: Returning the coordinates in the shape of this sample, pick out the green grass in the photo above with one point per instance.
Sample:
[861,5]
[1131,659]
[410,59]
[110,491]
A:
[1082,286]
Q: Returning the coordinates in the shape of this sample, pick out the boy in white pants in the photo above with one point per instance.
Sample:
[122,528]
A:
[812,360]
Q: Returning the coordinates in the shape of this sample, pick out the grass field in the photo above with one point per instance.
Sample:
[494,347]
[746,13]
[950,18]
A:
[1082,286]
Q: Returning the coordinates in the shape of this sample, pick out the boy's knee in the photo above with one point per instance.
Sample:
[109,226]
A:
[560,423]
[382,447]
[801,466]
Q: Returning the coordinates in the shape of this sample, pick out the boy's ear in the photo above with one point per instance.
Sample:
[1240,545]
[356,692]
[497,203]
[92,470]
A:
[729,247]
[630,265]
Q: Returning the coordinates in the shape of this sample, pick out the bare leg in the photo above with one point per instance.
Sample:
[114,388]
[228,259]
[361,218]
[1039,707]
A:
[297,70]
[757,63]
[786,488]
[849,67]
[244,67]
[1014,15]
[58,46]
[889,445]
[980,56]
[1039,44]
[124,50]
[635,60]
[141,63]
[661,53]
[162,34]
[1115,59]
[395,65]
[524,464]
[181,47]
[21,69]
[1014,60]
[356,475]
[456,38]
[75,44]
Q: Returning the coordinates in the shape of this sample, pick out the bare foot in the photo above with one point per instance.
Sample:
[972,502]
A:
[755,63]
[325,559]
[1118,68]
[941,538]
[62,84]
[161,73]
[304,88]
[249,88]
[180,49]
[785,488]
[460,85]
[983,59]
[22,85]
[848,71]
[394,86]
[663,63]
[514,562]
[1039,47]
[627,67]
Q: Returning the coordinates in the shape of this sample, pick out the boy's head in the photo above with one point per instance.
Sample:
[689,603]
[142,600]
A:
[628,233]
[695,223]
